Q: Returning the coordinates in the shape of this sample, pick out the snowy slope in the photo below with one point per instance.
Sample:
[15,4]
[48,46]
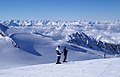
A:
[34,49]
[92,68]
[80,38]
[37,41]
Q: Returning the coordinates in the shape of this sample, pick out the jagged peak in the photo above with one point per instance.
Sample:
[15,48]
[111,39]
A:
[80,38]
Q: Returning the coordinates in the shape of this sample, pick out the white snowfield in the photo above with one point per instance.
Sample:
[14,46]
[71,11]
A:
[32,45]
[89,68]
[35,54]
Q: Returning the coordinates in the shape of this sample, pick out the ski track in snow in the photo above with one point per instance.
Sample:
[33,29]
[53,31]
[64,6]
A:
[105,69]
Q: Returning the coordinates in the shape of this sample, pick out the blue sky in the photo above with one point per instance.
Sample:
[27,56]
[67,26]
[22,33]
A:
[60,9]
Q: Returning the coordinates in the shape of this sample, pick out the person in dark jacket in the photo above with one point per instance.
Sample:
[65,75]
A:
[65,51]
[58,54]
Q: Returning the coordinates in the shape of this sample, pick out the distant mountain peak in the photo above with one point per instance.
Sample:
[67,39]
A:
[80,38]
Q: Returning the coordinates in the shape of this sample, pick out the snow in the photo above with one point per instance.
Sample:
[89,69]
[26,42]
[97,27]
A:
[34,49]
[35,55]
[108,29]
[90,68]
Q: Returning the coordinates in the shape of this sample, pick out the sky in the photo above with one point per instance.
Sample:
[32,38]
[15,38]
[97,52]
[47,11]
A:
[60,9]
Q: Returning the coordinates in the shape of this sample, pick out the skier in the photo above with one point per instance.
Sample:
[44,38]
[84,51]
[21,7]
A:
[58,54]
[65,51]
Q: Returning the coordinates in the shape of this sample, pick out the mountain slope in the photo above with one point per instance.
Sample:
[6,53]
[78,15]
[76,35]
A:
[40,50]
[92,68]
[26,42]
[37,44]
[80,38]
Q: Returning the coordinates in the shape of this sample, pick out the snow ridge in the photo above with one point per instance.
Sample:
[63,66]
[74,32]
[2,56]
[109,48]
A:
[80,38]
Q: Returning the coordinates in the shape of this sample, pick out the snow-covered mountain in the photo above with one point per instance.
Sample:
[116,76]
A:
[82,39]
[107,31]
[21,47]
[24,43]
[27,48]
